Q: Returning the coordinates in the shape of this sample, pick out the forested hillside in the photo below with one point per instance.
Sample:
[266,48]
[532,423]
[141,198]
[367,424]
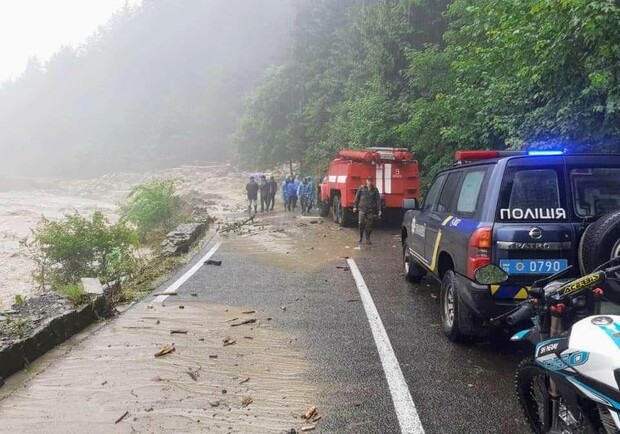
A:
[161,84]
[164,83]
[439,75]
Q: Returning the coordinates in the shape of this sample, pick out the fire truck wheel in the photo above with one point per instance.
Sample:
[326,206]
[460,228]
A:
[336,209]
[324,209]
[347,217]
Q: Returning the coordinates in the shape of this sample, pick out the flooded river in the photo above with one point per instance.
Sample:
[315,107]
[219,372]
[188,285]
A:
[24,201]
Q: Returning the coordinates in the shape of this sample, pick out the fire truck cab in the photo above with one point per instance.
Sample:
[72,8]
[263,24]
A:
[396,177]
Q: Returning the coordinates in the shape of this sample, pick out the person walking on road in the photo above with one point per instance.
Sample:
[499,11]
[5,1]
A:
[273,190]
[264,193]
[252,191]
[291,195]
[305,196]
[312,194]
[297,183]
[368,203]
[285,192]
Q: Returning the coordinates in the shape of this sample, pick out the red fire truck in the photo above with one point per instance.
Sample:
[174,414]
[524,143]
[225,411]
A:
[396,176]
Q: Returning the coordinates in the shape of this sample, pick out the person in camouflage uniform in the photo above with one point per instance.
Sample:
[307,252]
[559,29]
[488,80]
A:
[368,203]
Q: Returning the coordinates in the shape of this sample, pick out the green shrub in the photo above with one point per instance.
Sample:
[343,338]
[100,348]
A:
[75,293]
[20,300]
[78,246]
[155,208]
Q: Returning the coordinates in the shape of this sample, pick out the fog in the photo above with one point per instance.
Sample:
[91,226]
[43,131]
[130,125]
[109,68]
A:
[160,85]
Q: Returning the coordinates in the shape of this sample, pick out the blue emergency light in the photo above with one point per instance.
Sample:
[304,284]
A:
[543,153]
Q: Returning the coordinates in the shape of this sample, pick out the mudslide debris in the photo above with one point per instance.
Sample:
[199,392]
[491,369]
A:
[167,349]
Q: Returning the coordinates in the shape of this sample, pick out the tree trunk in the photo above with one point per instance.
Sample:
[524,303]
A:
[290,166]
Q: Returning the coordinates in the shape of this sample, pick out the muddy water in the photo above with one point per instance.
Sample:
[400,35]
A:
[24,201]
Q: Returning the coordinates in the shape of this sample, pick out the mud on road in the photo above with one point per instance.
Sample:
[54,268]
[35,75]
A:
[311,345]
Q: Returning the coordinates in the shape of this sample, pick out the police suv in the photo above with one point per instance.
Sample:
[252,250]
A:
[531,213]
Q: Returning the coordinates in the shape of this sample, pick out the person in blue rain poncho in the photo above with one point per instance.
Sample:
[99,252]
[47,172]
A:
[297,183]
[291,195]
[304,191]
[285,192]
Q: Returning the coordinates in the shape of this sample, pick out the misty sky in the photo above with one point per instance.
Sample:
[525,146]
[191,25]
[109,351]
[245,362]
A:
[40,27]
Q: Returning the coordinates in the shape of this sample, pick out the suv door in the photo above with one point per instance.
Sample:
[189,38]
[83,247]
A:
[418,225]
[439,213]
[533,233]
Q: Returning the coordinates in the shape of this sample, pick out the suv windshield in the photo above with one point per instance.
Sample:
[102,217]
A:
[595,190]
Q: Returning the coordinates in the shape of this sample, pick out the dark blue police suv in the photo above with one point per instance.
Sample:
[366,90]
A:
[531,213]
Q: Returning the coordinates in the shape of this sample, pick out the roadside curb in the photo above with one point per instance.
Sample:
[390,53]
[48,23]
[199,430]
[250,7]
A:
[53,332]
[57,329]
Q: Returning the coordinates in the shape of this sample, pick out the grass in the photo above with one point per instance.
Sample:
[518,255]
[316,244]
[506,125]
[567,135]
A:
[20,300]
[146,277]
[75,293]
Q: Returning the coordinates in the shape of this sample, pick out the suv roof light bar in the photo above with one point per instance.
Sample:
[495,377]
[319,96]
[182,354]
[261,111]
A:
[463,156]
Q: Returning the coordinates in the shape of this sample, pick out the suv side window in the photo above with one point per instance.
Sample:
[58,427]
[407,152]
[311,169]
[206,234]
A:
[470,192]
[433,192]
[446,199]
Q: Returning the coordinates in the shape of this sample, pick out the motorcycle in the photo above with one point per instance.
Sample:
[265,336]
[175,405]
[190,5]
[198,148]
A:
[571,384]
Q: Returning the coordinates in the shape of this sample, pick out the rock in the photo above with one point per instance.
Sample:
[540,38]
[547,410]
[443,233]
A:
[181,238]
[91,285]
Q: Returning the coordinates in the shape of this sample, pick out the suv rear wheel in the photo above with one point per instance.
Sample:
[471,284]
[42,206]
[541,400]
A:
[413,271]
[450,306]
[600,242]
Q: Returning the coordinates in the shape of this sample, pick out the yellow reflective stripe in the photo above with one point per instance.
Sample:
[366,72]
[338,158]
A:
[446,221]
[433,264]
[522,294]
[435,251]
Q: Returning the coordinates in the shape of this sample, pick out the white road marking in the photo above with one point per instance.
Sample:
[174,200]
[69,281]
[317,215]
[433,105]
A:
[189,273]
[403,403]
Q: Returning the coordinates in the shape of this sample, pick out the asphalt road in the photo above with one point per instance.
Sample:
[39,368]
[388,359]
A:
[455,388]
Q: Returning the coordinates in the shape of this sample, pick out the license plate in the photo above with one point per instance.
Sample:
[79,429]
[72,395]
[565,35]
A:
[533,266]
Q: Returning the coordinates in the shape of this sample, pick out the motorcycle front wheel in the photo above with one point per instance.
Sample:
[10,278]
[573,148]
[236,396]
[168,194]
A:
[532,386]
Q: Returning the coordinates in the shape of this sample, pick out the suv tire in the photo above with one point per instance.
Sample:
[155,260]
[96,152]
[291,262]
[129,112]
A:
[413,271]
[599,243]
[450,307]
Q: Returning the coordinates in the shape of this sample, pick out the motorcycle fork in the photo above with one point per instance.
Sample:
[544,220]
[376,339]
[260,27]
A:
[554,395]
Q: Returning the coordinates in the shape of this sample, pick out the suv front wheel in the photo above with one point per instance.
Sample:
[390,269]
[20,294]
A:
[413,271]
[449,305]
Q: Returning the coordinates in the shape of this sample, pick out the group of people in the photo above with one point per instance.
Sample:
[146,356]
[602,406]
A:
[294,191]
[265,189]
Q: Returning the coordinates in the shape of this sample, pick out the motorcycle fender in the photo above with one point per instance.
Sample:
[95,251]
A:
[568,391]
[531,335]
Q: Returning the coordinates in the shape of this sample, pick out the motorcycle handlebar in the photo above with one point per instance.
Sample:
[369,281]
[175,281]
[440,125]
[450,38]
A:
[612,270]
[523,312]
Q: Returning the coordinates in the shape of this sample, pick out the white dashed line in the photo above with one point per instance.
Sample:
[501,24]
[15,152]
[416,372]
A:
[189,273]
[403,403]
